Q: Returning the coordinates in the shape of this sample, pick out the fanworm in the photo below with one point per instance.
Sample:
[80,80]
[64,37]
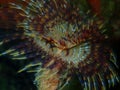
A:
[62,41]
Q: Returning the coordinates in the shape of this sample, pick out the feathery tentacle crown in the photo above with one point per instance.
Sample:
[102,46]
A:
[62,41]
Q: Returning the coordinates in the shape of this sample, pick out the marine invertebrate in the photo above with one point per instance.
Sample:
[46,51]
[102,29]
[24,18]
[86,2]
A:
[62,41]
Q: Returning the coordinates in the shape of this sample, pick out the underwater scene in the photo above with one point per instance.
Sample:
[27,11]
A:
[59,44]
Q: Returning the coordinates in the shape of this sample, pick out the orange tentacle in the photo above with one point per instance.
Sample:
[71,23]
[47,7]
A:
[95,4]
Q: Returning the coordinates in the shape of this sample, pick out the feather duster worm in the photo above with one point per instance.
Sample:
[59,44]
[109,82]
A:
[62,41]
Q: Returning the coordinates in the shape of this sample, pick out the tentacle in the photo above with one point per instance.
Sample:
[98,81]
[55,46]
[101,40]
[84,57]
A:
[61,40]
[52,77]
